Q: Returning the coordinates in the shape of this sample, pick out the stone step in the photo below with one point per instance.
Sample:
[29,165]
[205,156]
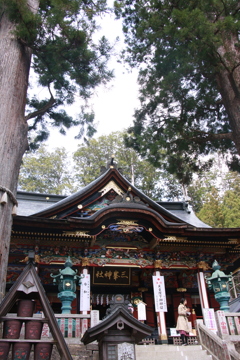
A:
[171,352]
[166,348]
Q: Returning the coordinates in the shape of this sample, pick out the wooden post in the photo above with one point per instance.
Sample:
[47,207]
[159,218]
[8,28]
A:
[202,290]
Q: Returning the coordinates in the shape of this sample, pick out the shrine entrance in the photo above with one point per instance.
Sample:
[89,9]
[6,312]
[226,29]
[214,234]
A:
[135,284]
[121,238]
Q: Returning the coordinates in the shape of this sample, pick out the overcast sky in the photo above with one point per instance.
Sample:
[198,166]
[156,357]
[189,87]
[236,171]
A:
[113,105]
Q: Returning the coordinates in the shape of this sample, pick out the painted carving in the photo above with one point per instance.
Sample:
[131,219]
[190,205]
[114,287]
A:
[112,186]
[203,265]
[158,264]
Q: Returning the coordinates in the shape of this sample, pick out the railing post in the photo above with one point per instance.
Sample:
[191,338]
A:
[237,324]
[226,352]
[198,330]
[234,287]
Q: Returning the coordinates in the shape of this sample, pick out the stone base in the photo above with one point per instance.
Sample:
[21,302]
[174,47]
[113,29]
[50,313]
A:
[84,352]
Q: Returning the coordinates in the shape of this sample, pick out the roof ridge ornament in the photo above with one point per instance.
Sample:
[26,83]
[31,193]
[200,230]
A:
[110,165]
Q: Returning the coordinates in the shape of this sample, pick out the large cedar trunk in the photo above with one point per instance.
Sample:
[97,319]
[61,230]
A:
[14,72]
[231,101]
[228,80]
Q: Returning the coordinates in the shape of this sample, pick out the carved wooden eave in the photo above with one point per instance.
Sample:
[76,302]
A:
[86,228]
[28,282]
[121,314]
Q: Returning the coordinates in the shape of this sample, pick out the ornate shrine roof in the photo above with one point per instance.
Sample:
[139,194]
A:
[108,190]
[110,221]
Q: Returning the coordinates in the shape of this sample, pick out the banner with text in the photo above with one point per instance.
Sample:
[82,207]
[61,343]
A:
[159,293]
[85,293]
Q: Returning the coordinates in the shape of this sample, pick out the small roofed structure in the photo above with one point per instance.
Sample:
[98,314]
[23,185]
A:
[28,286]
[118,332]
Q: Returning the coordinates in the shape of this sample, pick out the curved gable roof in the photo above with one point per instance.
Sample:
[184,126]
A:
[113,179]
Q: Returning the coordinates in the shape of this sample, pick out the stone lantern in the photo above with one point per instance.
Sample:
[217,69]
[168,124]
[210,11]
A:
[219,283]
[66,280]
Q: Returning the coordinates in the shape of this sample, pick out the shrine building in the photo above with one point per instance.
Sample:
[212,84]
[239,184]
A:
[121,238]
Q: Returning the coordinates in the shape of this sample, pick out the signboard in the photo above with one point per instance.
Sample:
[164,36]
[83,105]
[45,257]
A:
[173,332]
[85,293]
[141,306]
[94,318]
[221,322]
[159,294]
[111,276]
[209,319]
[126,351]
[231,325]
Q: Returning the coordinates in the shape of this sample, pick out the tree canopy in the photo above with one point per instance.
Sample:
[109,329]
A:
[55,39]
[215,197]
[57,172]
[189,70]
[65,59]
[46,172]
[89,158]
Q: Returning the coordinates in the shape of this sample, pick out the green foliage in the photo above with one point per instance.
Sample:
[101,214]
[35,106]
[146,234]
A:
[231,201]
[212,212]
[173,189]
[215,197]
[97,153]
[203,184]
[65,59]
[183,50]
[46,172]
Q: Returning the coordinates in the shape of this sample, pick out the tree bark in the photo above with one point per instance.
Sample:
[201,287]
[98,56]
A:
[228,80]
[232,106]
[15,61]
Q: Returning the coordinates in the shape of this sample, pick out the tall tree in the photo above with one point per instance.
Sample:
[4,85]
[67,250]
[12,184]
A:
[46,171]
[203,184]
[231,200]
[189,59]
[215,197]
[56,35]
[97,153]
[212,211]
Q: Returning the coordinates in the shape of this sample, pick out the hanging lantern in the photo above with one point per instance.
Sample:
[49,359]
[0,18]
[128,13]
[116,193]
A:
[4,199]
[14,210]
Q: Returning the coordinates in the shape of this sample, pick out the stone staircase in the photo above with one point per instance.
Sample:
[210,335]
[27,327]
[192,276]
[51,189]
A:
[171,352]
[144,352]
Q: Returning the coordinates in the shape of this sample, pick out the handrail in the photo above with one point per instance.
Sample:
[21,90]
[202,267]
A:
[73,316]
[214,345]
[234,288]
[233,354]
[70,324]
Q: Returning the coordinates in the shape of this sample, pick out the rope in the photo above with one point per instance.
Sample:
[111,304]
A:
[10,194]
